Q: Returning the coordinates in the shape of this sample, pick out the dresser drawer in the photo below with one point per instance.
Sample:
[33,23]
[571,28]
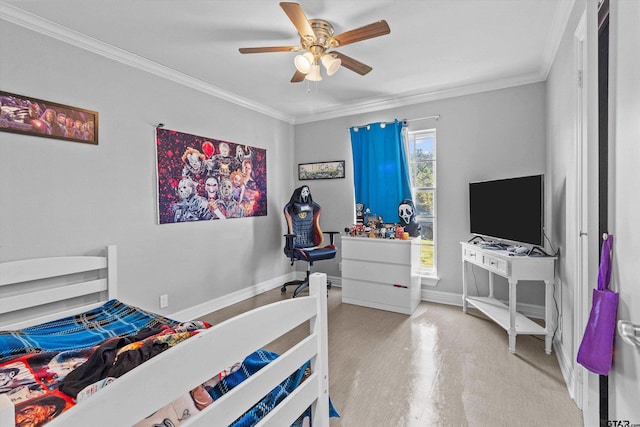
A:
[379,250]
[381,296]
[375,272]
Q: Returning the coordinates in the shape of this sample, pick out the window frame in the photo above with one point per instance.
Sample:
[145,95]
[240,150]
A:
[429,275]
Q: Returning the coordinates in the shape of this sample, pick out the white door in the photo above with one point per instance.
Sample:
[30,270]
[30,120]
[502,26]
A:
[624,200]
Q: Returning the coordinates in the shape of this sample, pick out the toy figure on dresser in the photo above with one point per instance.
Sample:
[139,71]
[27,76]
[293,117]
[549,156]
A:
[367,216]
[360,213]
[407,215]
[355,230]
[372,220]
[390,231]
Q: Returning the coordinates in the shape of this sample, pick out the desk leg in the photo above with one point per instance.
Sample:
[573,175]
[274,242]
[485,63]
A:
[464,286]
[490,284]
[548,316]
[512,316]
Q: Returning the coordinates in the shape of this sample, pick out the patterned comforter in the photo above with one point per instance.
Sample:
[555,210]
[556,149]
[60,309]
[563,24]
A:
[112,319]
[47,368]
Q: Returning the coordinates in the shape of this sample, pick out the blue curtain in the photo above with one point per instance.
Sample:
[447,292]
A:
[380,169]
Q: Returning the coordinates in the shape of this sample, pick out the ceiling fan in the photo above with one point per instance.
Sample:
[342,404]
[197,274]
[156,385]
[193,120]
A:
[317,42]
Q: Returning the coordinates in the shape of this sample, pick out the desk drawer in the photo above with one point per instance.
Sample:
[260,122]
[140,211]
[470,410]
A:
[472,255]
[495,264]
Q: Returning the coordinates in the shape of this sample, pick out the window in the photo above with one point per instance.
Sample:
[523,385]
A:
[421,149]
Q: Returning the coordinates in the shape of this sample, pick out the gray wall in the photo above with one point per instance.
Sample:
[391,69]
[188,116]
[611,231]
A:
[67,198]
[86,196]
[489,135]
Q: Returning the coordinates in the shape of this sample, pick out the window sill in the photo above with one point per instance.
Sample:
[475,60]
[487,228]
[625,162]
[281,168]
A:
[429,279]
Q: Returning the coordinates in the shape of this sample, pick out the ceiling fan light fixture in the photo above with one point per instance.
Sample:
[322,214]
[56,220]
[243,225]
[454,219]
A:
[303,62]
[314,73]
[317,38]
[331,63]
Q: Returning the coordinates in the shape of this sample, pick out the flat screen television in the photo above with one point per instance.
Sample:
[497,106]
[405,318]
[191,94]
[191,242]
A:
[508,209]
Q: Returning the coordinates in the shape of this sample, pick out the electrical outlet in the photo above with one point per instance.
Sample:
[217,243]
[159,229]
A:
[164,301]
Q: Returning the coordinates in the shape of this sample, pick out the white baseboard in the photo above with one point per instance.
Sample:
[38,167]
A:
[567,368]
[232,298]
[530,310]
[335,281]
[243,294]
[441,297]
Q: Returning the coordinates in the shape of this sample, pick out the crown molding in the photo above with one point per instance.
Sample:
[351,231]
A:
[554,39]
[411,99]
[51,29]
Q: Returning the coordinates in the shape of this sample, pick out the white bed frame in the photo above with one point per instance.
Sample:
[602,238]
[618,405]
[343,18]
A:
[173,373]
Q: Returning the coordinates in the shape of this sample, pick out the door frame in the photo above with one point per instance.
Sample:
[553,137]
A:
[581,192]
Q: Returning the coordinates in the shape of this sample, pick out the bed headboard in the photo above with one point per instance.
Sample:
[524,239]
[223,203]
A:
[38,290]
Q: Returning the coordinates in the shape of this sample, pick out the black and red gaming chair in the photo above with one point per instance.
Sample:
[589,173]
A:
[303,241]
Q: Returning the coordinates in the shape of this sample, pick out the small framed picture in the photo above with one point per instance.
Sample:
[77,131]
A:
[321,170]
[32,116]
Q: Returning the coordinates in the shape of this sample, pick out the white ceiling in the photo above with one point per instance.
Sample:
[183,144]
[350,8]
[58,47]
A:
[436,48]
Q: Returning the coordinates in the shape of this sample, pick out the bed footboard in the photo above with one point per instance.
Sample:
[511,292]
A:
[169,375]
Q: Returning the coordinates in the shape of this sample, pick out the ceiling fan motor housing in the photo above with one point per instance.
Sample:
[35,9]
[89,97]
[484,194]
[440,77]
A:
[323,41]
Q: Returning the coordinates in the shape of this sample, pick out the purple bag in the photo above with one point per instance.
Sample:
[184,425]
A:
[596,350]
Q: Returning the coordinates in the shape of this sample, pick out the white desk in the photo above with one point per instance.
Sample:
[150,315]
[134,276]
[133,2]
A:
[381,273]
[514,268]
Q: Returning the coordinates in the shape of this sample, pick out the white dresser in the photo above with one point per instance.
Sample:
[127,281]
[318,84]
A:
[381,273]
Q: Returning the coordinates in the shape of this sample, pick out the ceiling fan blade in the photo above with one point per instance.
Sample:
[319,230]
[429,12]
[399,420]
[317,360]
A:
[370,31]
[298,18]
[269,49]
[297,77]
[352,64]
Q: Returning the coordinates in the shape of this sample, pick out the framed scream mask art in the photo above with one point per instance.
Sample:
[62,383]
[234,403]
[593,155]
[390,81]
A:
[202,179]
